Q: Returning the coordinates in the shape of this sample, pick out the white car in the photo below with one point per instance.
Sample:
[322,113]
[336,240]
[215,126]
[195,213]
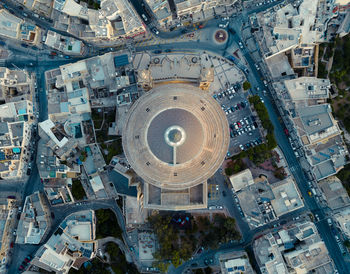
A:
[317,217]
[223,25]
[144,17]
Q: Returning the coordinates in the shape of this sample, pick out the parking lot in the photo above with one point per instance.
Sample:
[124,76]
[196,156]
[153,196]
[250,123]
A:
[244,131]
[213,192]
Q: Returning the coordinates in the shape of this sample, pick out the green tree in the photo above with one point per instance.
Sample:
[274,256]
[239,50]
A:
[107,224]
[78,191]
[246,85]
[176,259]
[228,171]
[162,266]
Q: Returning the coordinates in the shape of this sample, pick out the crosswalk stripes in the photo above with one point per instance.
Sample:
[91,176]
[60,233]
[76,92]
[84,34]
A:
[157,41]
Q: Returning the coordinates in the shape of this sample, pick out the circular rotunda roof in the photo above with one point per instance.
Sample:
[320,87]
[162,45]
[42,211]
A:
[175,136]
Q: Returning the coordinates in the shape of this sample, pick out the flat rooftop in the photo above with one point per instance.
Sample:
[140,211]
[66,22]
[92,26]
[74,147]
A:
[316,118]
[304,88]
[287,197]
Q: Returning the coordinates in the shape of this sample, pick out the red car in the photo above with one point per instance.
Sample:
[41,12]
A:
[12,244]
[286,132]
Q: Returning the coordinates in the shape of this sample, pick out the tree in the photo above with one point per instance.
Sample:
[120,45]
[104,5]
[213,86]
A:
[228,171]
[176,259]
[347,243]
[246,85]
[78,191]
[107,224]
[208,270]
[112,249]
[280,173]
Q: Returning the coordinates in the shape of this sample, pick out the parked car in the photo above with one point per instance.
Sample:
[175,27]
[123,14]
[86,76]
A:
[155,31]
[144,17]
[329,221]
[224,25]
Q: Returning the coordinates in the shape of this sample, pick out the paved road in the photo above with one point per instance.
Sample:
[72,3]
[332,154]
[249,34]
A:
[41,64]
[102,242]
[61,212]
[42,22]
[292,161]
[249,236]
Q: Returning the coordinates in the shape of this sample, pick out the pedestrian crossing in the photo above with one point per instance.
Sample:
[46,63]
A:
[150,41]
